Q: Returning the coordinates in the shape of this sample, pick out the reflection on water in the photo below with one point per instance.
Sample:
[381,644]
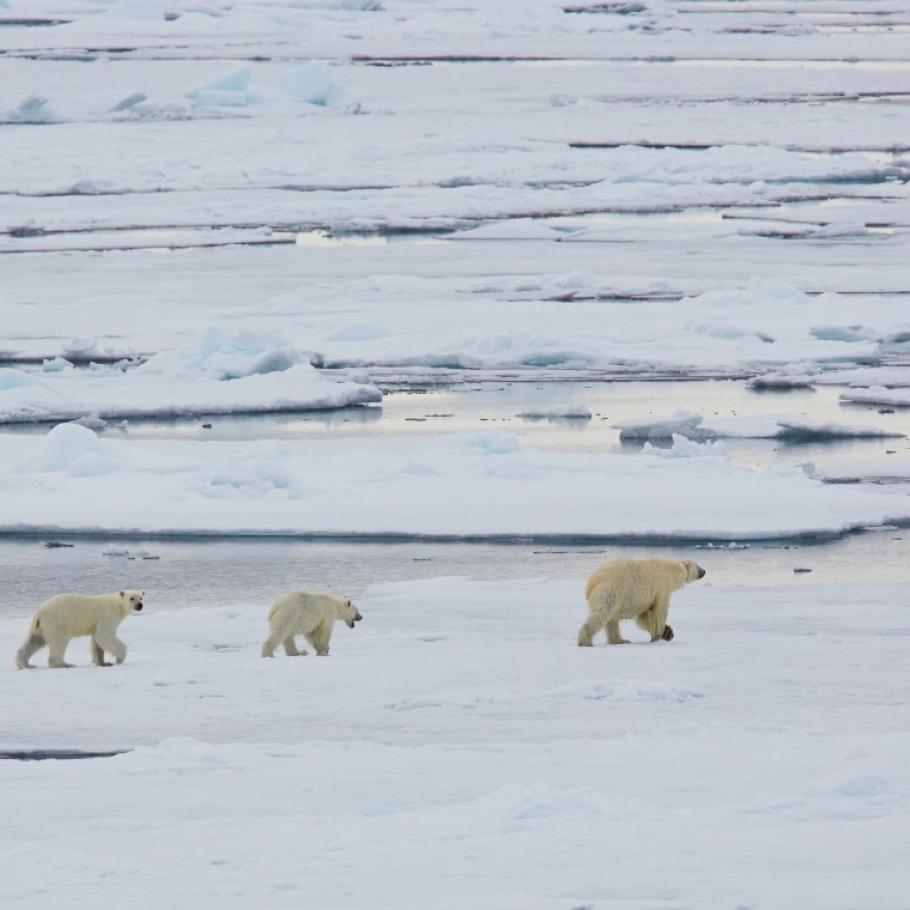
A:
[253,573]
[325,238]
[496,405]
[479,406]
[377,237]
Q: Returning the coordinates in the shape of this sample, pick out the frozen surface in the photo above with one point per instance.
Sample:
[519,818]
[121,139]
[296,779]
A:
[472,484]
[705,190]
[459,732]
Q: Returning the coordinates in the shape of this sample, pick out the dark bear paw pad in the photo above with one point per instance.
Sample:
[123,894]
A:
[668,633]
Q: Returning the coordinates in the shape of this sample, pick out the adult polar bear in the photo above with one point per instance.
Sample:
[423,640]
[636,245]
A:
[310,615]
[637,589]
[68,616]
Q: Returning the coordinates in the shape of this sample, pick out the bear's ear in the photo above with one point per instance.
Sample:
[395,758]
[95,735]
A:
[122,593]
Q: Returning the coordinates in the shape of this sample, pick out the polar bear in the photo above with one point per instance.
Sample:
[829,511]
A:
[310,615]
[636,589]
[68,616]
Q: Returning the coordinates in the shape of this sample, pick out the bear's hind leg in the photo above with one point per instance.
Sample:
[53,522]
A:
[35,642]
[614,636]
[599,602]
[290,648]
[592,625]
[57,647]
[269,645]
[283,624]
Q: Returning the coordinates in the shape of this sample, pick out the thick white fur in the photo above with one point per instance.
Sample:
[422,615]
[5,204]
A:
[69,616]
[637,589]
[310,615]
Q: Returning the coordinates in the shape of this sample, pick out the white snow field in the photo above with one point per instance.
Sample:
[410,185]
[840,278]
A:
[229,207]
[460,486]
[458,749]
[733,178]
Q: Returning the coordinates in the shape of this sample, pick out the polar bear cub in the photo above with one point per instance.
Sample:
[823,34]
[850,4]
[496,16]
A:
[69,616]
[310,615]
[637,589]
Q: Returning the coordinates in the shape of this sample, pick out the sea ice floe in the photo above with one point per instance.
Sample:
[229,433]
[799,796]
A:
[468,485]
[899,398]
[221,373]
[793,429]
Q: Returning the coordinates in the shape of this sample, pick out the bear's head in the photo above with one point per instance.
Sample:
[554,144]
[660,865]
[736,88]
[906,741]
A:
[693,571]
[349,613]
[131,601]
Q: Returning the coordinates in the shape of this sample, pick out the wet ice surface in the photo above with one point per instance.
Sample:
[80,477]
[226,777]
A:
[406,190]
[253,573]
[462,405]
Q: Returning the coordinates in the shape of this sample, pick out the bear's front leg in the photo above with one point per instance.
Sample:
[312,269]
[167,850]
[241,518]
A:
[659,622]
[111,644]
[290,648]
[645,621]
[319,639]
[98,655]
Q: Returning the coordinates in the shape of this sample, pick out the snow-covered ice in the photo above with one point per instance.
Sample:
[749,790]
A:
[564,180]
[219,374]
[462,485]
[459,748]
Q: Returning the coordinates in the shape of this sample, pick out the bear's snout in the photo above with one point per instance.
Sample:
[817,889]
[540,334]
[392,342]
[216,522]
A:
[357,617]
[701,573]
[138,607]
